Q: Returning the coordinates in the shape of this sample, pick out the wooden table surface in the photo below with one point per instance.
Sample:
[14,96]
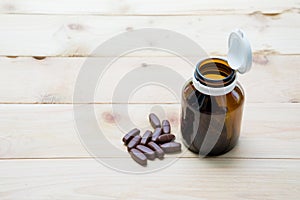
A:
[43,45]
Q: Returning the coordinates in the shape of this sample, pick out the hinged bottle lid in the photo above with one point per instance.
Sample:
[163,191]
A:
[239,55]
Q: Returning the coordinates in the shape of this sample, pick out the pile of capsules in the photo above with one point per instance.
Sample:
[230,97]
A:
[151,144]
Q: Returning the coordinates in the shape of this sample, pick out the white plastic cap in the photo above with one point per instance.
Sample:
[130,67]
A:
[239,55]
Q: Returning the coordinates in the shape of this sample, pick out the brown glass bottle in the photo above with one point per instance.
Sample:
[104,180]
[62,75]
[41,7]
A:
[211,119]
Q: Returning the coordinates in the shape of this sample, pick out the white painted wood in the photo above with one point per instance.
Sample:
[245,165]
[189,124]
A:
[145,7]
[49,131]
[186,179]
[52,80]
[53,35]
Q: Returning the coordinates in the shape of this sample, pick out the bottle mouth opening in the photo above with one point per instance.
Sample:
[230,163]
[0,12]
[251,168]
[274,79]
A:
[214,72]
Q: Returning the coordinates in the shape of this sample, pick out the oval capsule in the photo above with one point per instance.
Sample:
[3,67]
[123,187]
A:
[156,133]
[154,121]
[158,151]
[166,127]
[171,147]
[149,153]
[130,135]
[134,142]
[166,138]
[146,137]
[138,157]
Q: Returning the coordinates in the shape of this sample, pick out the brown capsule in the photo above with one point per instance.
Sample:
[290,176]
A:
[158,151]
[146,137]
[138,157]
[166,128]
[149,153]
[130,135]
[171,147]
[156,133]
[154,121]
[134,142]
[166,138]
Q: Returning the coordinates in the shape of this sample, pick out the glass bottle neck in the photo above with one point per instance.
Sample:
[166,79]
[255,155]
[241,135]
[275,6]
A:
[213,76]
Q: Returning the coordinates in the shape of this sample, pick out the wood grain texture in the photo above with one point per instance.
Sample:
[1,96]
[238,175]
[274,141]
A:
[145,7]
[52,80]
[195,179]
[53,35]
[49,131]
[43,45]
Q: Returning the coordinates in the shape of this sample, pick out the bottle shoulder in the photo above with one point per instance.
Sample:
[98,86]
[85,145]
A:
[198,100]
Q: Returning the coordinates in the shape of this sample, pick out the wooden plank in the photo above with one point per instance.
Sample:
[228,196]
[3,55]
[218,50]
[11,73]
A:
[54,35]
[186,179]
[49,131]
[145,7]
[52,80]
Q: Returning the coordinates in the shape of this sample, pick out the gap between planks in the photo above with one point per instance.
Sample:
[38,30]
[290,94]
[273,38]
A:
[139,7]
[265,52]
[216,12]
[185,157]
[121,103]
